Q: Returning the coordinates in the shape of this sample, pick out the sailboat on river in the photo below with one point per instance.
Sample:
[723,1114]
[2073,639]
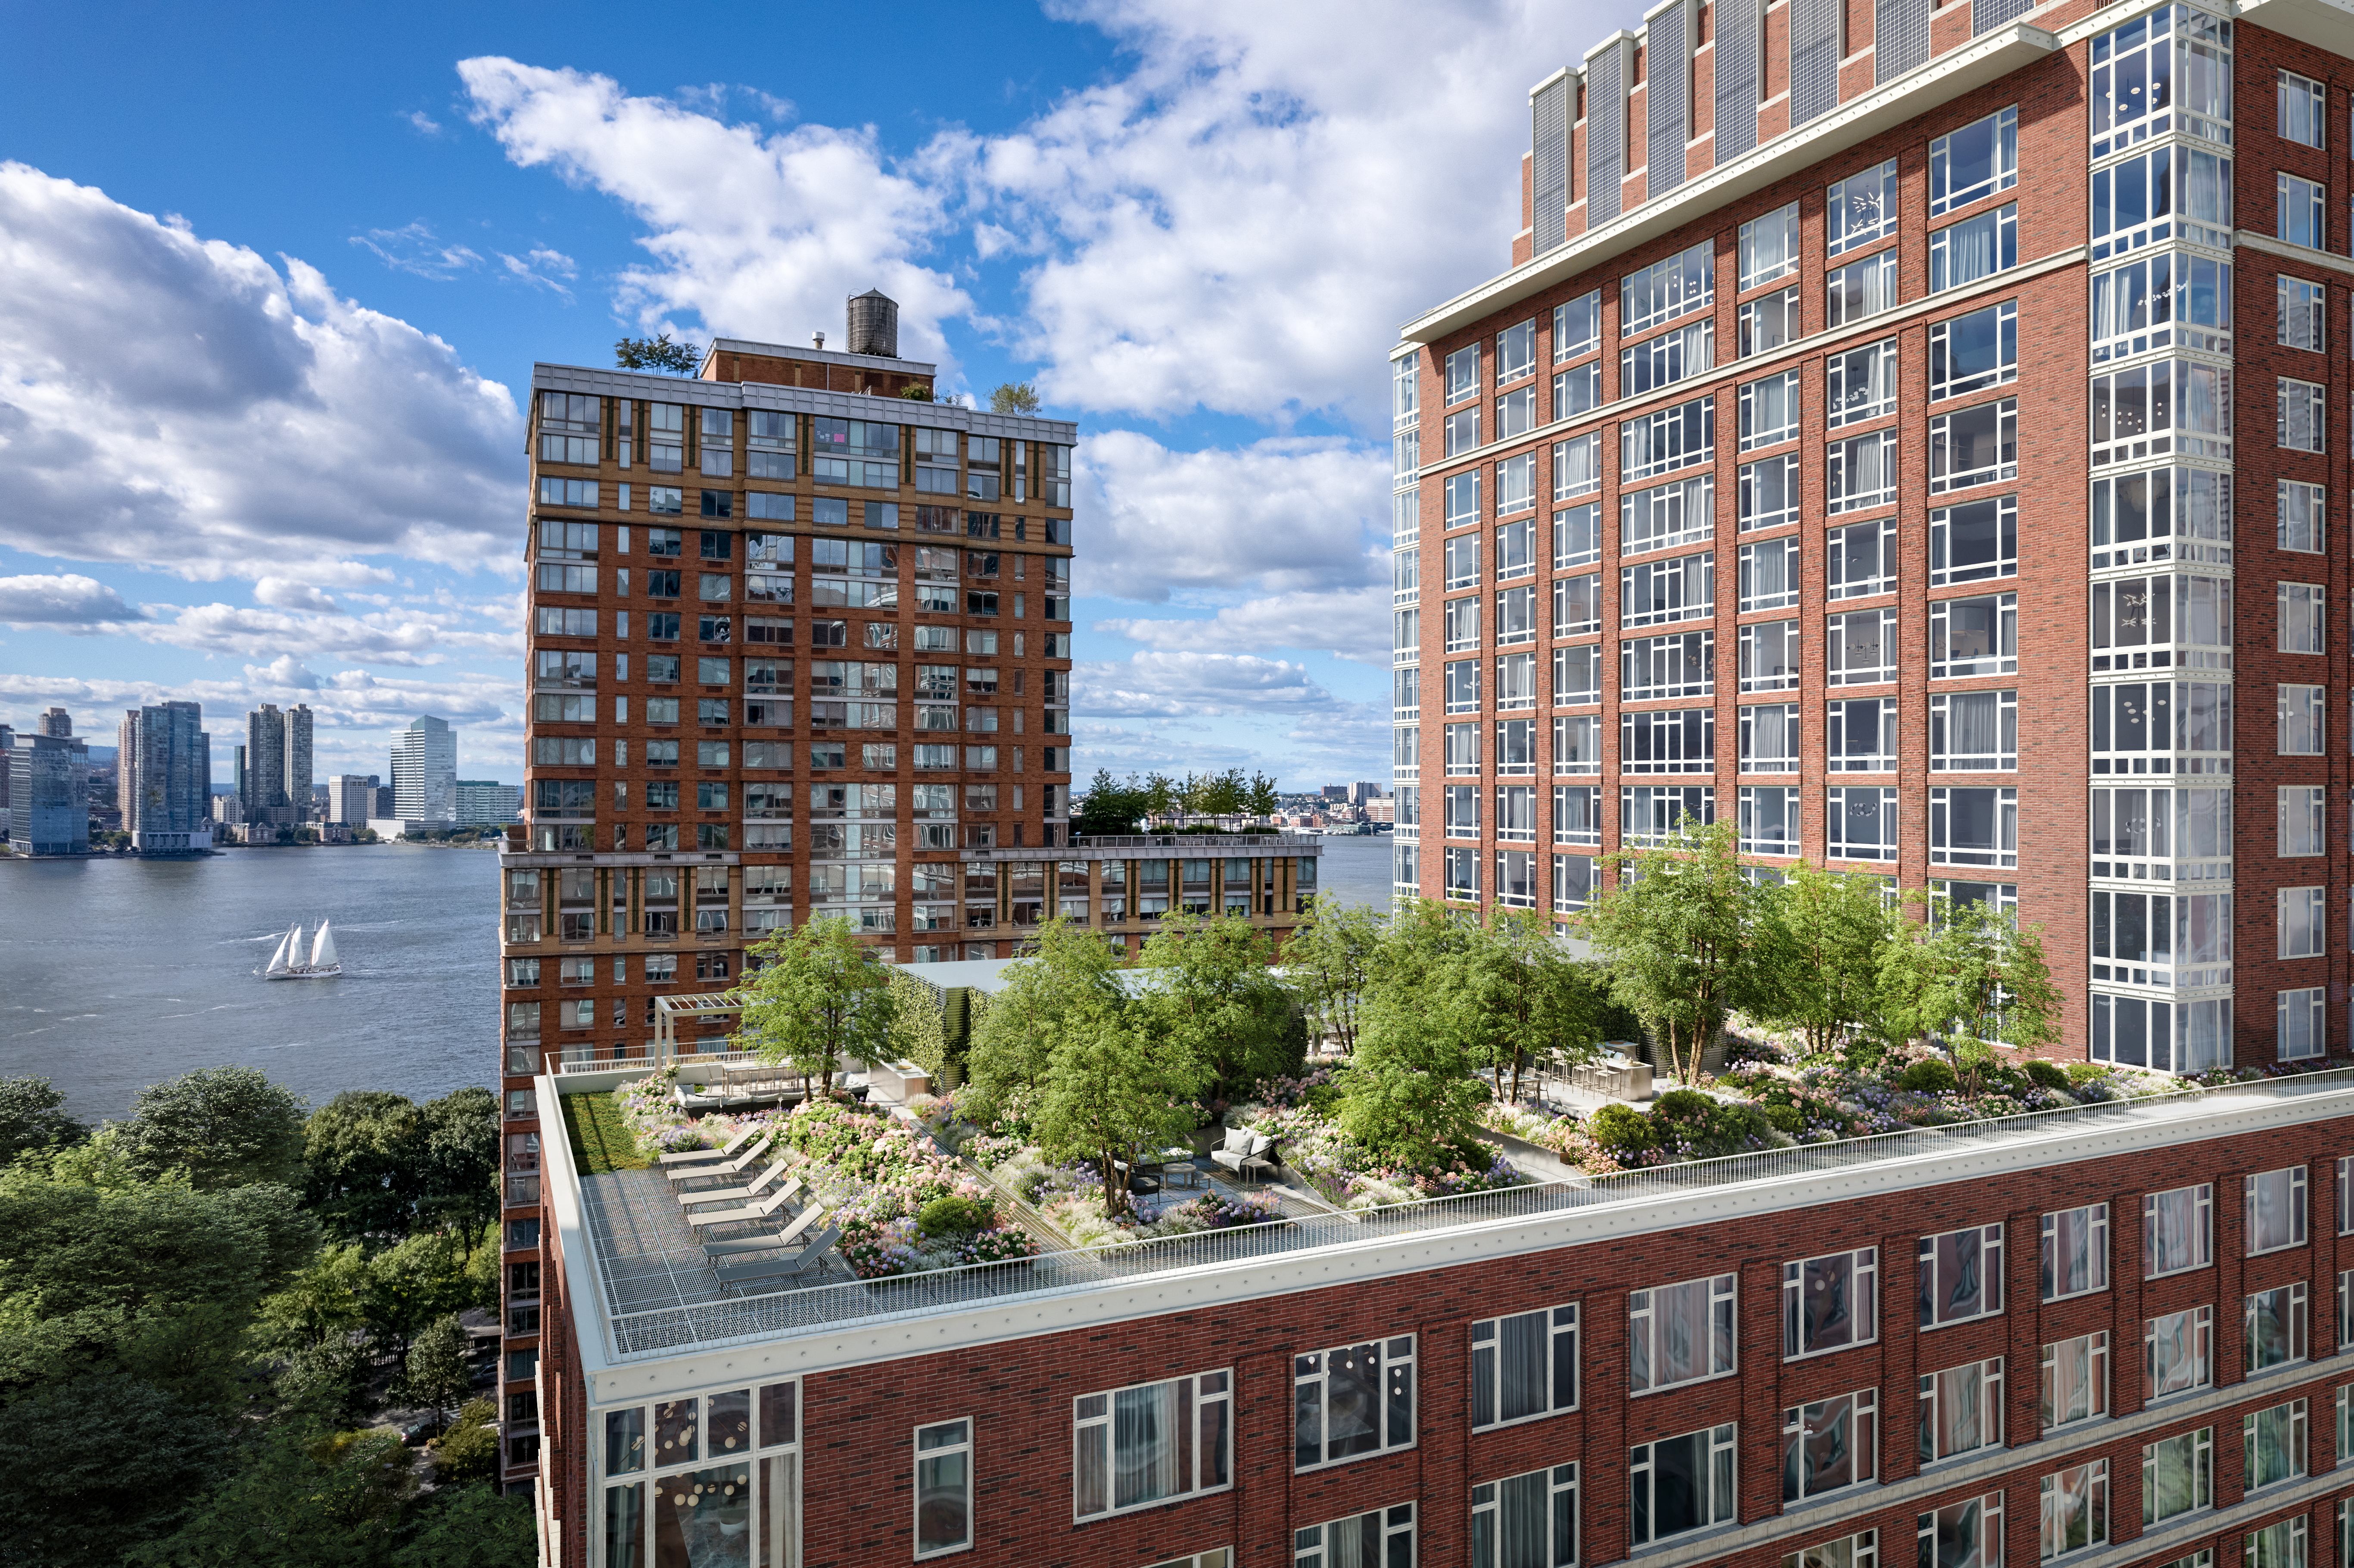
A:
[288,962]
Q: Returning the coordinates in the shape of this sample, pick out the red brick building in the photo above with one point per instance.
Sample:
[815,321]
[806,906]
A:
[2110,1335]
[1911,429]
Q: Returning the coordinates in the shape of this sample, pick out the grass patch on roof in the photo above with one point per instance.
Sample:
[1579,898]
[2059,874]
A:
[600,1139]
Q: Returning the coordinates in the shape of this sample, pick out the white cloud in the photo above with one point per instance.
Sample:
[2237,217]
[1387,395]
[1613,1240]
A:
[423,122]
[1175,685]
[285,593]
[416,249]
[71,602]
[1288,513]
[761,233]
[1241,222]
[1347,623]
[542,270]
[237,419]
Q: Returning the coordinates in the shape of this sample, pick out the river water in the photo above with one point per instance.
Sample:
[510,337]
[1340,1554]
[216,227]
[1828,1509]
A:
[115,974]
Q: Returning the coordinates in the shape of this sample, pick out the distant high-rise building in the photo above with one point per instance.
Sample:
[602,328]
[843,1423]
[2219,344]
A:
[481,803]
[45,803]
[1358,794]
[166,773]
[425,771]
[237,778]
[351,798]
[1336,792]
[383,798]
[265,762]
[295,782]
[58,723]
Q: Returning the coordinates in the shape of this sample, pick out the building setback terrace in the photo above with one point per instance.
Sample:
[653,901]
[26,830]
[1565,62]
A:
[655,1295]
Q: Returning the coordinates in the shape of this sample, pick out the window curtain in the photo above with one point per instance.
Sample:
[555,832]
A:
[1960,1414]
[1144,1445]
[1524,1388]
[1976,721]
[1522,1542]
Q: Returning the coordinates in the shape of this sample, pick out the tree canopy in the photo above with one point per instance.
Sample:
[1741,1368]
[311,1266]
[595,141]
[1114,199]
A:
[1212,992]
[225,1126]
[819,995]
[659,353]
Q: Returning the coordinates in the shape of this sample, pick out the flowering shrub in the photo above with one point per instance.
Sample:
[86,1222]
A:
[1346,1174]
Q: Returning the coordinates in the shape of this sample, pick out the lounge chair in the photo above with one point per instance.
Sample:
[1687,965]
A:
[810,1259]
[769,1241]
[734,1147]
[732,1166]
[762,1210]
[1246,1153]
[742,1192]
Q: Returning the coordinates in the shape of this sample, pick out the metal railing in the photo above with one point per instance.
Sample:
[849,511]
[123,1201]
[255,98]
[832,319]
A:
[1194,841]
[795,1311]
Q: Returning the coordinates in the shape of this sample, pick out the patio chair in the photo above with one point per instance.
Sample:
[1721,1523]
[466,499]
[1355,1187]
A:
[762,1210]
[810,1259]
[733,1147]
[1245,1152]
[743,1193]
[735,1165]
[767,1241]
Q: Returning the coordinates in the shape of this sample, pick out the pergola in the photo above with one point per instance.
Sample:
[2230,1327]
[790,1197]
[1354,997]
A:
[669,1009]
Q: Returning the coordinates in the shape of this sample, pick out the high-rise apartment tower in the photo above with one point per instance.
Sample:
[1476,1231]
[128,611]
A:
[1915,432]
[163,763]
[425,771]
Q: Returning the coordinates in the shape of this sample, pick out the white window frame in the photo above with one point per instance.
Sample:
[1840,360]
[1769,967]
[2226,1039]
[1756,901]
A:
[2304,1012]
[1718,1295]
[1839,717]
[2301,513]
[1720,1479]
[2298,1302]
[2286,1184]
[2301,415]
[1553,1484]
[1989,1389]
[1863,1301]
[2092,1351]
[961,1448]
[2291,1416]
[2196,1325]
[1757,400]
[2299,922]
[2091,1484]
[1943,758]
[2199,1442]
[1389,1526]
[1943,574]
[2003,126]
[1095,1427]
[1988,1241]
[2089,1220]
[1863,1444]
[2199,1200]
[1394,1352]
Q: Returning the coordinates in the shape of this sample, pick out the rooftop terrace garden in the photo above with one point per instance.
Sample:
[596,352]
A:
[1807,1009]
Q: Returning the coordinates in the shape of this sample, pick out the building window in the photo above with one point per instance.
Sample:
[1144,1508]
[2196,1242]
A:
[1681,1333]
[2301,314]
[1975,162]
[1974,636]
[2301,720]
[2176,1352]
[1769,321]
[1524,1366]
[1516,352]
[1769,247]
[1961,1410]
[1576,537]
[2300,617]
[2274,1444]
[1961,1274]
[1769,820]
[1529,1519]
[1463,374]
[1674,740]
[1974,732]
[1577,815]
[2301,103]
[2299,212]
[2075,1380]
[1860,647]
[1682,664]
[1830,1303]
[1860,735]
[1830,1443]
[2276,1545]
[1576,467]
[1672,438]
[1769,411]
[2274,1324]
[2172,407]
[1140,1446]
[1859,824]
[2299,921]
[2302,421]
[1682,1484]
[1974,542]
[1769,577]
[1769,656]
[1664,360]
[2168,300]
[2299,523]
[1660,292]
[1384,1536]
[2076,1508]
[1462,624]
[1649,814]
[2275,1210]
[1654,593]
[1860,209]
[1576,390]
[1971,353]
[2176,1230]
[1860,472]
[1357,1398]
[1862,383]
[1975,248]
[1974,827]
[1977,445]
[1682,512]
[943,1488]
[2178,1476]
[1578,673]
[1573,881]
[1577,744]
[2073,1255]
[1769,493]
[1861,289]
[1577,327]
[1862,559]
[1769,739]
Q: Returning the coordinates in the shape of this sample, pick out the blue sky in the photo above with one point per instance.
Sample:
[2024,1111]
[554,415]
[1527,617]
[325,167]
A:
[271,281]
